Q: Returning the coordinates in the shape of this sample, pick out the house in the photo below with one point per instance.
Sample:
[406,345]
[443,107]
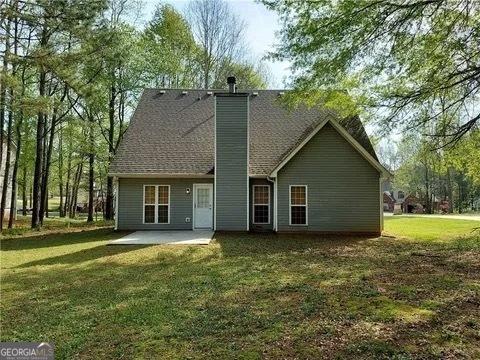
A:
[417,203]
[241,161]
[412,204]
[399,196]
[388,201]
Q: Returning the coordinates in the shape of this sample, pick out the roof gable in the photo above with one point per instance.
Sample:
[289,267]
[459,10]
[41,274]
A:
[172,132]
[344,133]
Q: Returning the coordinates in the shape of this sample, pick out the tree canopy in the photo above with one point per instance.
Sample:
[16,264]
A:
[414,63]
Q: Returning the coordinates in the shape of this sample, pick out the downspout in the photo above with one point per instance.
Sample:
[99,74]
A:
[273,181]
[117,193]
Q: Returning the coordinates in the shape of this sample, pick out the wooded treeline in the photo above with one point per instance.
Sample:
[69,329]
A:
[72,71]
[434,174]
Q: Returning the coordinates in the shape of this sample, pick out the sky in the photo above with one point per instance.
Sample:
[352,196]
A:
[262,24]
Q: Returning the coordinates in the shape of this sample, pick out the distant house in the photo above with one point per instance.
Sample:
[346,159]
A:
[417,203]
[388,202]
[412,204]
[241,161]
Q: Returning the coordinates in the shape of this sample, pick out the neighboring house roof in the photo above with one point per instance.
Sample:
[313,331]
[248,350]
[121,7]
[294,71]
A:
[388,195]
[172,133]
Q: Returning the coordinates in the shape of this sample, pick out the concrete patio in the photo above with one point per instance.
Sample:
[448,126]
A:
[178,237]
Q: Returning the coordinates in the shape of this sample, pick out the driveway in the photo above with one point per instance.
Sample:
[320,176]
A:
[178,237]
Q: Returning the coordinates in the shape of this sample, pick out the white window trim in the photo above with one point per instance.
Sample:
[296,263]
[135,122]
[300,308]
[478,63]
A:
[156,204]
[290,205]
[267,204]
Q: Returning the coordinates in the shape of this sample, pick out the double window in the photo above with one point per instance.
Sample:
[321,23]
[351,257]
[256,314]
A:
[298,205]
[261,204]
[156,204]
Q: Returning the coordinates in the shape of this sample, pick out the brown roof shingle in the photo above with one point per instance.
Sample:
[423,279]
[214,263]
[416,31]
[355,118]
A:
[173,133]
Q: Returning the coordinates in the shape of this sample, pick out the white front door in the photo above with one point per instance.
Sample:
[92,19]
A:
[202,206]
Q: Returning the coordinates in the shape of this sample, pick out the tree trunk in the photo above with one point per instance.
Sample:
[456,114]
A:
[18,131]
[24,191]
[39,153]
[60,172]
[67,185]
[91,159]
[90,187]
[427,192]
[41,211]
[72,193]
[6,173]
[3,89]
[450,191]
[46,171]
[13,203]
[74,201]
[75,187]
[111,134]
[37,175]
[460,197]
[102,197]
[46,204]
[109,199]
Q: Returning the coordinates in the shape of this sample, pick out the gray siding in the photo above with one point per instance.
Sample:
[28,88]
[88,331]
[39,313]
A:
[261,227]
[130,203]
[231,167]
[343,188]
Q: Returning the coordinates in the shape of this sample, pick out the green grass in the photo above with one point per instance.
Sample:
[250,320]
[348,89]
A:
[53,224]
[53,203]
[425,228]
[247,296]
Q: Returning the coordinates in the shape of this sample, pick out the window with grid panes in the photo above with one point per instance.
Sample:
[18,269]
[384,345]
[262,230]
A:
[298,205]
[261,204]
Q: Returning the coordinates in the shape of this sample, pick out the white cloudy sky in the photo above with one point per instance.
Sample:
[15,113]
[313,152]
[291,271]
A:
[260,35]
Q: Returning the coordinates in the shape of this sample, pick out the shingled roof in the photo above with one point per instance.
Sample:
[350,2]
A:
[172,132]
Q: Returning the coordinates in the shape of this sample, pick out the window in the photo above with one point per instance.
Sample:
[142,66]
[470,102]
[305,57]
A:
[203,198]
[156,204]
[163,204]
[298,205]
[149,204]
[401,194]
[261,204]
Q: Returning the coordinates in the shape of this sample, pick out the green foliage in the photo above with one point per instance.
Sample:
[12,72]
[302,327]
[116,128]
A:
[247,75]
[450,173]
[465,157]
[169,50]
[416,61]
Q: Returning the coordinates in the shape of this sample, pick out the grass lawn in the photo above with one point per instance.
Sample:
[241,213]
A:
[425,228]
[53,203]
[415,295]
[51,225]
